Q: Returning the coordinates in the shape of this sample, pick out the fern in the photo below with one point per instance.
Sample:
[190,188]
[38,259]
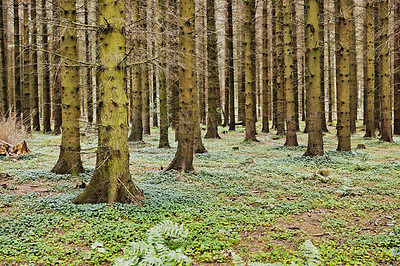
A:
[155,252]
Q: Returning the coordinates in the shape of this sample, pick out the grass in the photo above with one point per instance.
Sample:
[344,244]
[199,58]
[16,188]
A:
[261,202]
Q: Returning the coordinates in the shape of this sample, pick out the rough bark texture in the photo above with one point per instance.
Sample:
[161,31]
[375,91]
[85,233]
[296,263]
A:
[213,73]
[291,136]
[250,69]
[26,92]
[69,160]
[377,67]
[265,71]
[17,63]
[46,73]
[353,74]
[57,89]
[34,82]
[322,63]
[313,80]
[164,142]
[344,12]
[280,79]
[386,103]
[369,74]
[183,160]
[111,181]
[241,78]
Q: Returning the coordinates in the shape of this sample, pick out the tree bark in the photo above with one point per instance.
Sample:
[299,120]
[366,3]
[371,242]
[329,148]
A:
[183,160]
[46,73]
[280,79]
[322,64]
[313,80]
[265,71]
[17,64]
[111,181]
[397,71]
[69,160]
[4,106]
[229,76]
[344,13]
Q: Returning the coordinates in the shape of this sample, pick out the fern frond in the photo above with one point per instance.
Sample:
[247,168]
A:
[310,254]
[176,257]
[165,229]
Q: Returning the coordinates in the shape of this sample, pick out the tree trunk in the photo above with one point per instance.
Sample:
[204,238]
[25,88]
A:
[377,67]
[386,103]
[265,71]
[353,74]
[4,107]
[145,100]
[250,42]
[291,136]
[46,73]
[183,160]
[241,76]
[344,13]
[69,160]
[295,63]
[397,71]
[213,73]
[230,80]
[280,79]
[17,63]
[313,80]
[369,75]
[111,181]
[26,94]
[322,64]
[164,142]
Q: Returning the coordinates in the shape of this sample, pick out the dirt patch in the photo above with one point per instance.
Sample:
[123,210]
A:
[7,186]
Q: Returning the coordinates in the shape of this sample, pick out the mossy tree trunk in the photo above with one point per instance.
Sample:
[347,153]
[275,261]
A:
[4,106]
[386,103]
[183,160]
[213,73]
[344,13]
[313,80]
[265,71]
[111,181]
[69,160]
[250,87]
[369,74]
[164,142]
[291,135]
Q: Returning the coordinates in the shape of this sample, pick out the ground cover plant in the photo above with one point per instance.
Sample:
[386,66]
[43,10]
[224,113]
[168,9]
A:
[255,201]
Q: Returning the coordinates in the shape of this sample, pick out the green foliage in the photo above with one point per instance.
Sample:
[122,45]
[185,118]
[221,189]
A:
[161,247]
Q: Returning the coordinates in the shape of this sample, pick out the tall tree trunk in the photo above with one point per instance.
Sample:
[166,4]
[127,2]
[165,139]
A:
[34,82]
[291,136]
[265,71]
[183,160]
[274,66]
[295,63]
[386,103]
[26,93]
[4,107]
[369,74]
[331,88]
[250,68]
[92,35]
[164,142]
[111,181]
[322,64]
[137,126]
[57,90]
[230,75]
[241,76]
[69,160]
[145,72]
[344,13]
[313,80]
[213,73]
[83,70]
[280,80]
[17,63]
[46,73]
[397,71]
[377,67]
[353,74]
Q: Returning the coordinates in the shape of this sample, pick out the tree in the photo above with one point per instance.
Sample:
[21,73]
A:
[164,142]
[265,71]
[57,88]
[26,92]
[17,63]
[291,136]
[280,79]
[397,71]
[229,76]
[313,82]
[322,63]
[369,75]
[4,107]
[111,181]
[386,89]
[249,40]
[69,160]
[353,73]
[34,82]
[46,72]
[213,73]
[183,160]
[344,12]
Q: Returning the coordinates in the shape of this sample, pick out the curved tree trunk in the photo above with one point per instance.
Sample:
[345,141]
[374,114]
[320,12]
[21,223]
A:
[69,160]
[111,181]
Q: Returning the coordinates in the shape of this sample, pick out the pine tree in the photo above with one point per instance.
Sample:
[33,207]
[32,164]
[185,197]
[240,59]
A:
[265,71]
[4,107]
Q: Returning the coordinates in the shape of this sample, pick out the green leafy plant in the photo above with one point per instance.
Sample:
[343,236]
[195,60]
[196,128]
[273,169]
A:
[309,257]
[162,247]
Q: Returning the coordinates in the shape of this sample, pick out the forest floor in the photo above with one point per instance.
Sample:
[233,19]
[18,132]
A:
[260,201]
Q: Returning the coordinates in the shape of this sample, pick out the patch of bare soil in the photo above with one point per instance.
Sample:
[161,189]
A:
[8,186]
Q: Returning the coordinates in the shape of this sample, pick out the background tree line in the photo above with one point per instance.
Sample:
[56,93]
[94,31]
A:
[184,64]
